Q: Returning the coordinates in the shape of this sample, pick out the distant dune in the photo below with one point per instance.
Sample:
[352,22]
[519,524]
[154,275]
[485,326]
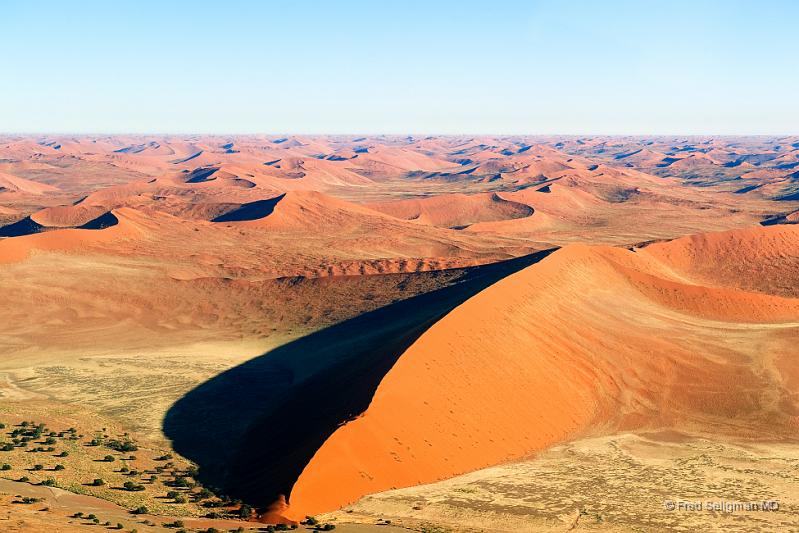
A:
[456,210]
[15,184]
[32,237]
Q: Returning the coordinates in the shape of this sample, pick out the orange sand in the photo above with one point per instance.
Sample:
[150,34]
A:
[589,340]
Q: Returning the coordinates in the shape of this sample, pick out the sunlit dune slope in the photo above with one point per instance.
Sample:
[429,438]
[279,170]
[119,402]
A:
[71,240]
[456,210]
[589,341]
[759,259]
[15,184]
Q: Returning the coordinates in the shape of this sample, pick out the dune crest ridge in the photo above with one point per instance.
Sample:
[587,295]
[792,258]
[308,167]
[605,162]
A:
[589,341]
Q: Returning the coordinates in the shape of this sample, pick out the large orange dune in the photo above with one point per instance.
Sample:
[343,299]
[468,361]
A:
[591,340]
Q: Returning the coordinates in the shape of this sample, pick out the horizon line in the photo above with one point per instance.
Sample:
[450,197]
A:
[385,134]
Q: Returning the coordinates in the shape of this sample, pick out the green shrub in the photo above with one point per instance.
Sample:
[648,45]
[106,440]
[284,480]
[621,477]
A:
[122,446]
[131,486]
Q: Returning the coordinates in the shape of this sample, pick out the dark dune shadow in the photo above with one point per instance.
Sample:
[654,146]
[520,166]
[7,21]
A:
[789,197]
[26,226]
[202,174]
[253,428]
[748,188]
[106,220]
[251,210]
[188,158]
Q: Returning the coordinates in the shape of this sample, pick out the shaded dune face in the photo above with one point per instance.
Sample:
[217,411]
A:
[55,218]
[23,237]
[589,341]
[270,415]
[250,211]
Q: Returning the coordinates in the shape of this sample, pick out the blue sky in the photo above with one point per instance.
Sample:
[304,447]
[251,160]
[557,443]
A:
[537,67]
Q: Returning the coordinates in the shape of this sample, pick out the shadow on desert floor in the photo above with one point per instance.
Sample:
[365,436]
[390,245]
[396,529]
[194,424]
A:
[253,428]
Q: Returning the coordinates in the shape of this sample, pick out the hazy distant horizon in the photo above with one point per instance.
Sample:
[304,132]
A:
[389,135]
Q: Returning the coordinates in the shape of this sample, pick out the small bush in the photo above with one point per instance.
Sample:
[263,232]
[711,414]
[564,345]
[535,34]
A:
[131,486]
[122,446]
[245,511]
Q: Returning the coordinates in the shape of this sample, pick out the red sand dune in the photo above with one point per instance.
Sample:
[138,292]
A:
[67,216]
[764,259]
[15,249]
[455,210]
[590,340]
[14,184]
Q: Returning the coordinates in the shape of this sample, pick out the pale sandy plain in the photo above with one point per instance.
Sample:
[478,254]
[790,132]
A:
[329,320]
